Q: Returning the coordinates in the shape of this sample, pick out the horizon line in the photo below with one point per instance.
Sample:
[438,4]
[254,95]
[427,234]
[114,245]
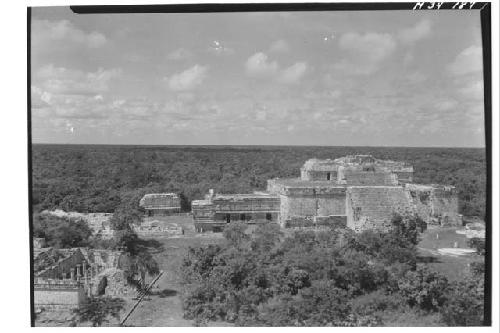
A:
[247,145]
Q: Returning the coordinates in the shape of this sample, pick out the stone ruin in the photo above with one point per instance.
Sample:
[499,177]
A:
[160,204]
[357,191]
[157,228]
[217,210]
[65,278]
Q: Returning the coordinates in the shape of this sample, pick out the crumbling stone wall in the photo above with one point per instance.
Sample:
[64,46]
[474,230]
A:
[114,282]
[64,266]
[372,207]
[435,204]
[38,243]
[313,175]
[56,295]
[364,178]
[445,205]
[404,176]
[309,202]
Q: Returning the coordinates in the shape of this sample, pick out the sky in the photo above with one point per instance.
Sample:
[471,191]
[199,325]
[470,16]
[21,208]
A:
[350,78]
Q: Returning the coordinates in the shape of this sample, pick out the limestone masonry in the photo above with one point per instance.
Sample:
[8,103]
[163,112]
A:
[65,278]
[161,204]
[357,191]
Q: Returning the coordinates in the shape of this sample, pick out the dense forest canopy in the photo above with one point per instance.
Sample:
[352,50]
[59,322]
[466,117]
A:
[94,178]
[325,278]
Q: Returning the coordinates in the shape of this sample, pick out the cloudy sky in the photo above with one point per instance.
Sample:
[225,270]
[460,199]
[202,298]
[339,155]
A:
[395,78]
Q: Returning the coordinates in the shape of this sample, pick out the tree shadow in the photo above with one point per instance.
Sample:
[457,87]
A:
[151,245]
[427,259]
[164,293]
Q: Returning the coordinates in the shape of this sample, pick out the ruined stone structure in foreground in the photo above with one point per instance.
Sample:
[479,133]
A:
[157,204]
[65,278]
[359,192]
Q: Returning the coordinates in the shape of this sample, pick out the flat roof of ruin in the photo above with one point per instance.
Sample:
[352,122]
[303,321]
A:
[244,196]
[297,182]
[160,195]
[315,164]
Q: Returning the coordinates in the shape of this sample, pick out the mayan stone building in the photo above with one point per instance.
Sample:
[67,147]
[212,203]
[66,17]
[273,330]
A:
[65,278]
[217,210]
[160,204]
[359,192]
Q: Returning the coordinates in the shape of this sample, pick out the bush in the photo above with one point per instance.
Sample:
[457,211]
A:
[61,232]
[97,310]
[424,288]
[479,244]
[304,279]
[465,304]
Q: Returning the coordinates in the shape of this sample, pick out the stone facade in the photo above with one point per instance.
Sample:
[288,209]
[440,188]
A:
[56,295]
[65,277]
[218,210]
[357,191]
[372,207]
[435,204]
[160,204]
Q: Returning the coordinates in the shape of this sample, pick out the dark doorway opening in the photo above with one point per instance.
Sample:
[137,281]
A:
[101,287]
[328,176]
[242,217]
[269,216]
[228,218]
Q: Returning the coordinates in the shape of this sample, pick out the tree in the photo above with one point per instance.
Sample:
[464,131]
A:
[98,310]
[465,304]
[424,288]
[235,233]
[479,244]
[61,232]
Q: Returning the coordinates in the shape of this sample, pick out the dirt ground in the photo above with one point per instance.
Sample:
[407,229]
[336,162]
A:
[164,306]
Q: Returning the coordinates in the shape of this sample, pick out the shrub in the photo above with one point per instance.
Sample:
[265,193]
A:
[97,310]
[424,288]
[61,232]
[479,244]
[465,305]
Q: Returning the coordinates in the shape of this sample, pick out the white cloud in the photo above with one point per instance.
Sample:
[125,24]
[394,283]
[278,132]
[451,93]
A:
[179,54]
[137,109]
[261,115]
[188,79]
[365,52]
[421,30]
[45,32]
[432,126]
[446,104]
[468,61]
[258,66]
[60,92]
[279,46]
[61,80]
[473,90]
[70,106]
[294,73]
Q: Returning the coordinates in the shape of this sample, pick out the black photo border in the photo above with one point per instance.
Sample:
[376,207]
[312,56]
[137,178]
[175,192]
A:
[485,17]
